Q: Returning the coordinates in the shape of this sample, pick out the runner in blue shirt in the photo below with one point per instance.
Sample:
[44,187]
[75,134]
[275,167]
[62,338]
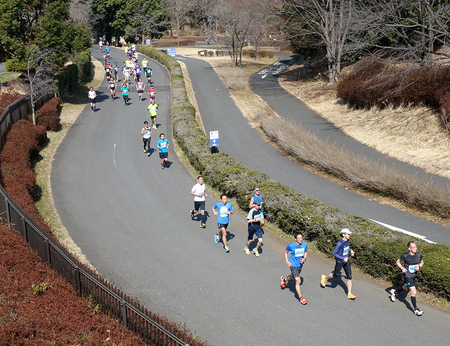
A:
[163,146]
[341,252]
[295,256]
[223,209]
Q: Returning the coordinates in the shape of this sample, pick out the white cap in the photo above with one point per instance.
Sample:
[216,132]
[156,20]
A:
[345,230]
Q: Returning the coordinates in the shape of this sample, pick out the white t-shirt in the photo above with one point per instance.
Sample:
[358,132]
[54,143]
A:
[197,188]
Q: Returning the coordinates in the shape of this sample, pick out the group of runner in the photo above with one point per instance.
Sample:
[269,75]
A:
[296,253]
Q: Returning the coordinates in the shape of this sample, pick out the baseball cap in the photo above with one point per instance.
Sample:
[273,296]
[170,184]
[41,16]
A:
[345,230]
[257,202]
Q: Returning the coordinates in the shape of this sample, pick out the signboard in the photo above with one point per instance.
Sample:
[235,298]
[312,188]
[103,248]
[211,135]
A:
[148,42]
[213,138]
[171,52]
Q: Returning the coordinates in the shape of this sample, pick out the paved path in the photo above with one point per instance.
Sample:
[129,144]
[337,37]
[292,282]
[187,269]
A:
[131,220]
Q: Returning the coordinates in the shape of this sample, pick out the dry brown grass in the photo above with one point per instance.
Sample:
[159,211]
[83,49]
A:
[234,77]
[45,205]
[412,135]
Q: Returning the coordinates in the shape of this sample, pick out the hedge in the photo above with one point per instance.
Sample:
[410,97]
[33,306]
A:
[48,114]
[83,61]
[377,248]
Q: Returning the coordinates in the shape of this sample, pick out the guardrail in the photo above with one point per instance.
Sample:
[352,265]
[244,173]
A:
[153,329]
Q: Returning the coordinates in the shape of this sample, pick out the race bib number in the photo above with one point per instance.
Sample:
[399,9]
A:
[346,249]
[163,145]
[299,252]
[412,268]
[223,211]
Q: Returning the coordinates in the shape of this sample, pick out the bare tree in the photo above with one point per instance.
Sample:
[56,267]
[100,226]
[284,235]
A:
[40,76]
[80,11]
[263,16]
[328,19]
[178,9]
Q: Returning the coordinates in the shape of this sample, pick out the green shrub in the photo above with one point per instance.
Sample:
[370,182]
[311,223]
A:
[83,61]
[67,79]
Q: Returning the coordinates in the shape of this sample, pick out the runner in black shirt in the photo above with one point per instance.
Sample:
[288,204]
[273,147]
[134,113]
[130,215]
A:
[413,262]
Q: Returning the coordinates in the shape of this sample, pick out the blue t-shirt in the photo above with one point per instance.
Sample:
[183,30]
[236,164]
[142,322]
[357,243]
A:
[163,145]
[223,210]
[342,249]
[297,253]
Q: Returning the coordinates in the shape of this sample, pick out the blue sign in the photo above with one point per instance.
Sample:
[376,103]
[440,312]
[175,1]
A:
[171,52]
[214,139]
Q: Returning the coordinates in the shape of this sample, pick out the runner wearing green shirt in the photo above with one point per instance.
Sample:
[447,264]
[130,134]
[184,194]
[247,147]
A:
[153,108]
[125,90]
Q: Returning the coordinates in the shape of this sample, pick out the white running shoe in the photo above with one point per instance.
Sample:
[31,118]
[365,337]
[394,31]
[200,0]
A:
[393,295]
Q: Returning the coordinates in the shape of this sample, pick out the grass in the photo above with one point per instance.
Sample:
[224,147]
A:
[8,76]
[71,108]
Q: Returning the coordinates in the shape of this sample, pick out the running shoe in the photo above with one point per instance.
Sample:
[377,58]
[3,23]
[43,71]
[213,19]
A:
[148,154]
[392,295]
[246,250]
[216,238]
[255,251]
[351,296]
[203,225]
[418,312]
[145,150]
[227,249]
[192,214]
[303,300]
[323,281]
[283,282]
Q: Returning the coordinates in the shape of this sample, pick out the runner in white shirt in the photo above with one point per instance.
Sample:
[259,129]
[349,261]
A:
[199,193]
[92,95]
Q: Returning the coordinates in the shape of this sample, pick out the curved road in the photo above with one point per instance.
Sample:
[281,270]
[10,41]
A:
[131,220]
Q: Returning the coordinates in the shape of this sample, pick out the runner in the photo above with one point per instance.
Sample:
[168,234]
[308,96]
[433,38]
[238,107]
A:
[146,133]
[256,197]
[100,44]
[125,90]
[153,108]
[254,221]
[126,75]
[116,71]
[341,254]
[108,72]
[152,92]
[140,90]
[92,95]
[148,73]
[107,51]
[137,74]
[200,195]
[163,146]
[223,209]
[413,263]
[112,88]
[295,256]
[144,63]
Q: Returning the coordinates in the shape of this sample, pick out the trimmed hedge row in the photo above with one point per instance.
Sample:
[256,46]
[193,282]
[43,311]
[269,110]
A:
[67,79]
[376,248]
[48,114]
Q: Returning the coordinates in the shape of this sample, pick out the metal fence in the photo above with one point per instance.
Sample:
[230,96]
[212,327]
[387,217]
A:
[153,329]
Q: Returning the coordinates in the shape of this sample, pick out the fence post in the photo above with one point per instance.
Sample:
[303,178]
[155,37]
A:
[8,217]
[124,312]
[24,226]
[77,279]
[47,247]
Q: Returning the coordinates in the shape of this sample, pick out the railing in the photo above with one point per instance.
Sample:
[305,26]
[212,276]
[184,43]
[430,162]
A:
[150,327]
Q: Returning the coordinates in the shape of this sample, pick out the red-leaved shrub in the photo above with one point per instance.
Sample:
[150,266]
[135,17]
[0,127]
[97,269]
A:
[22,143]
[48,114]
[373,83]
[7,98]
[37,306]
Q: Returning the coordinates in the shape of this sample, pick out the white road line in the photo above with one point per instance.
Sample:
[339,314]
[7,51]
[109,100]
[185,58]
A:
[114,154]
[403,231]
[178,58]
[262,77]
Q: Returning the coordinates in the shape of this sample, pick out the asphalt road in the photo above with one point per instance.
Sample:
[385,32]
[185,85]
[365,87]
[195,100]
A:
[131,219]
